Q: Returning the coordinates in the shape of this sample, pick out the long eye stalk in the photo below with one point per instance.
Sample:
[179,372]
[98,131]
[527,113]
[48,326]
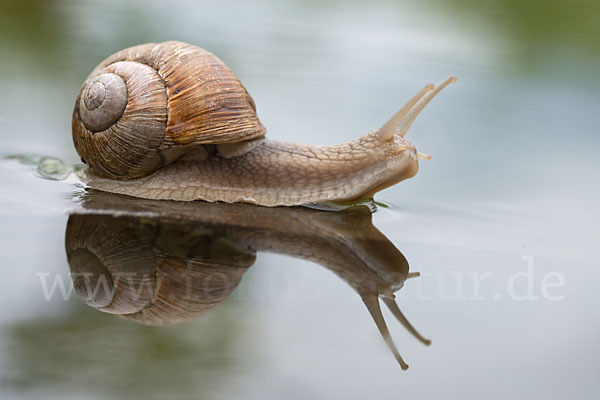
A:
[406,123]
[386,132]
[401,122]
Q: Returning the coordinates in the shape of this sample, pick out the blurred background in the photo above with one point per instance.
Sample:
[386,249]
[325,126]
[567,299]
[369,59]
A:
[514,173]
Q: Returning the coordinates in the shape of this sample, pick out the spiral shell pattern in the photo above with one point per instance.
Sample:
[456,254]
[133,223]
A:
[144,106]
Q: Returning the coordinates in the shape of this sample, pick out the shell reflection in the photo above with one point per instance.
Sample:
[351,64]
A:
[163,262]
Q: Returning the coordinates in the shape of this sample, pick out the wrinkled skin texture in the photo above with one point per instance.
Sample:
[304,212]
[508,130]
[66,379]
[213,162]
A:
[278,174]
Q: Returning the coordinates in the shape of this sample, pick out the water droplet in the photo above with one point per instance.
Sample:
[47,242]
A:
[53,169]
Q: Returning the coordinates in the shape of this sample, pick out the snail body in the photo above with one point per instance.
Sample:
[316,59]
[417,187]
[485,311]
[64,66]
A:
[171,121]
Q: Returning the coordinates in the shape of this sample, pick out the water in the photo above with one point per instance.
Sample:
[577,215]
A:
[501,223]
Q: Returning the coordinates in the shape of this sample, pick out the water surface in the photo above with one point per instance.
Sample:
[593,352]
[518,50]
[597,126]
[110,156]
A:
[501,223]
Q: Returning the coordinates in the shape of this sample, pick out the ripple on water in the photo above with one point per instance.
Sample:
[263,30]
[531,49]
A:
[35,182]
[50,168]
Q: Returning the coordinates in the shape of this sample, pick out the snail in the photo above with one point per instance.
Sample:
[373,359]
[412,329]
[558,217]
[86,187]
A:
[171,121]
[159,263]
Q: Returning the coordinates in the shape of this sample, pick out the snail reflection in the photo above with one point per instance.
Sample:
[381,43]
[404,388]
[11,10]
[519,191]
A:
[163,262]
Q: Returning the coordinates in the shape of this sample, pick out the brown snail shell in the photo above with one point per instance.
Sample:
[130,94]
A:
[143,106]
